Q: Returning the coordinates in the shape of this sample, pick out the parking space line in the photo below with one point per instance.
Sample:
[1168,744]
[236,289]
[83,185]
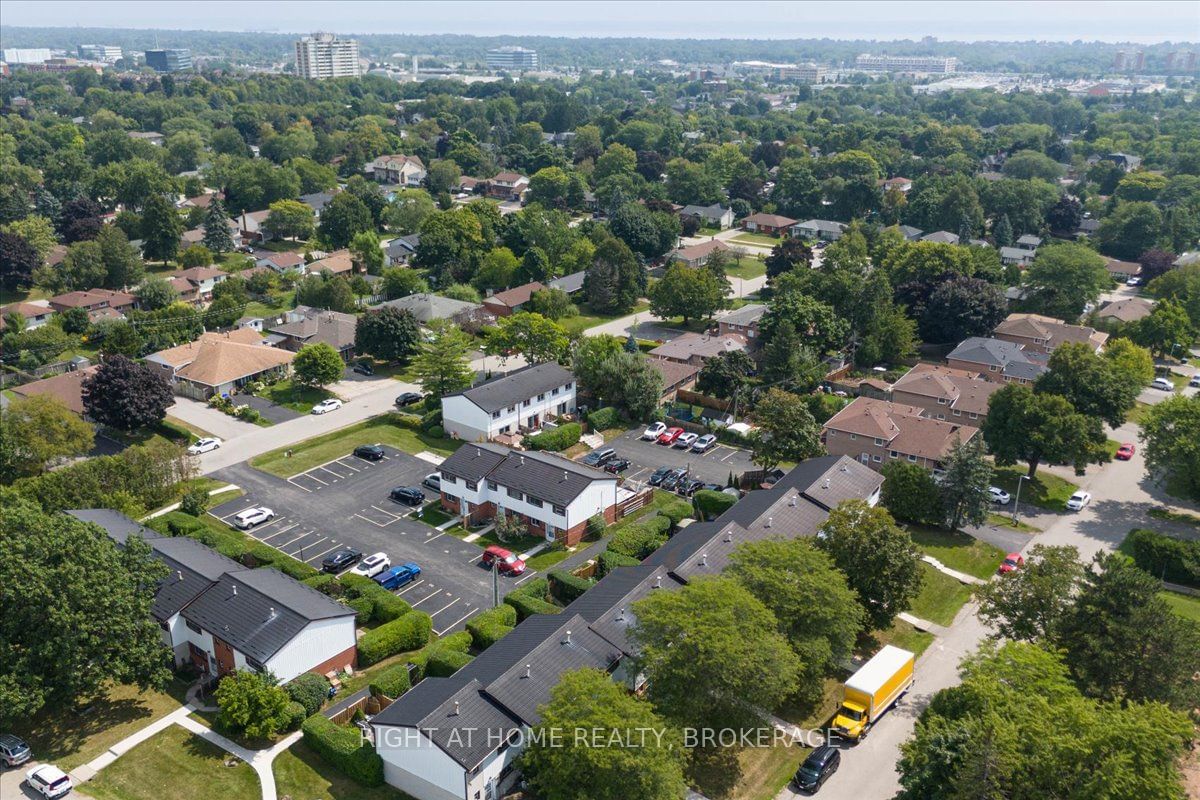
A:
[373,522]
[527,577]
[318,466]
[281,530]
[732,453]
[298,486]
[411,586]
[389,513]
[452,624]
[348,466]
[337,475]
[327,552]
[475,557]
[298,538]
[440,535]
[426,597]
[251,531]
[443,608]
[234,514]
[310,476]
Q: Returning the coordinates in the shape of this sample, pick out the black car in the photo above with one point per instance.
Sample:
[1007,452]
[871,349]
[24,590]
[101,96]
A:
[673,478]
[816,769]
[409,495]
[598,458]
[688,487]
[659,475]
[340,560]
[617,465]
[408,398]
[371,452]
[364,368]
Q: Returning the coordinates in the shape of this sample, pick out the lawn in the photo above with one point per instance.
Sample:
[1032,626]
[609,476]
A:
[753,773]
[940,598]
[1046,490]
[320,449]
[70,738]
[432,515]
[302,774]
[519,545]
[958,551]
[751,267]
[1136,413]
[289,394]
[757,238]
[1185,605]
[178,424]
[586,318]
[1005,521]
[904,636]
[175,763]
[1174,516]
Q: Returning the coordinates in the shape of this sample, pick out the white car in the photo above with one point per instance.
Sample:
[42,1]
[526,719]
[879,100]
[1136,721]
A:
[1134,281]
[1079,500]
[204,445]
[372,565]
[253,516]
[325,406]
[49,781]
[651,433]
[1195,381]
[685,440]
[998,495]
[1164,384]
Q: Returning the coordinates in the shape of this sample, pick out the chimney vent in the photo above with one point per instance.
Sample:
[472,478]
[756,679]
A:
[455,714]
[704,559]
[729,536]
[528,671]
[568,639]
[826,484]
[522,460]
[792,501]
[769,520]
[565,475]
[235,591]
[272,614]
[658,581]
[179,575]
[621,614]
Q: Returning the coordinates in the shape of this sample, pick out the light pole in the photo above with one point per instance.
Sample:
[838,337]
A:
[1016,518]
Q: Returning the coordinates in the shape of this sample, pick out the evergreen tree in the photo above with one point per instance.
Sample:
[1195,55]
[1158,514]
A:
[161,229]
[1003,232]
[46,204]
[217,237]
[965,496]
[631,345]
[965,230]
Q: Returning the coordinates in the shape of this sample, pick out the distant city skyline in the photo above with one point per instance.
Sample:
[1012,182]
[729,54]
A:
[1052,20]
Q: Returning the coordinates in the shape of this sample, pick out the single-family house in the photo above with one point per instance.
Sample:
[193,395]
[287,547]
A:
[202,279]
[714,216]
[427,307]
[523,400]
[569,283]
[1087,227]
[1018,256]
[221,363]
[696,348]
[769,224]
[399,170]
[153,137]
[507,186]
[401,250]
[339,262]
[1187,259]
[66,387]
[899,184]
[250,225]
[287,261]
[997,360]
[1125,161]
[696,255]
[675,376]
[202,200]
[742,321]
[1040,334]
[1122,270]
[945,393]
[306,325]
[823,229]
[877,432]
[510,301]
[219,616]
[1029,242]
[941,237]
[36,313]
[910,233]
[99,303]
[317,201]
[1124,311]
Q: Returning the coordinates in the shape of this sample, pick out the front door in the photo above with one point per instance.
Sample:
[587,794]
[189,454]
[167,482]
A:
[199,657]
[224,654]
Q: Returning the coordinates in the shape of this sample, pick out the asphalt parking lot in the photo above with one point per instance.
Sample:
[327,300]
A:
[712,467]
[345,503]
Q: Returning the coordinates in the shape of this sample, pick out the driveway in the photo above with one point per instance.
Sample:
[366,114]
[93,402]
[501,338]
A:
[206,418]
[12,784]
[270,411]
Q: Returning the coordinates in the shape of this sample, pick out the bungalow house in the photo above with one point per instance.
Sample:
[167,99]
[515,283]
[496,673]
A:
[99,303]
[1087,227]
[910,233]
[569,283]
[944,393]
[317,201]
[306,325]
[997,360]
[1187,259]
[427,307]
[469,185]
[697,255]
[339,262]
[1040,334]
[877,432]
[201,279]
[713,216]
[1029,242]
[510,301]
[250,224]
[36,313]
[203,200]
[66,387]
[401,250]
[398,170]
[1018,256]
[196,235]
[941,237]
[742,321]
[522,400]
[675,376]
[507,186]
[1122,270]
[1130,309]
[769,224]
[821,229]
[153,137]
[696,348]
[221,363]
[219,616]
[899,184]
[186,290]
[287,261]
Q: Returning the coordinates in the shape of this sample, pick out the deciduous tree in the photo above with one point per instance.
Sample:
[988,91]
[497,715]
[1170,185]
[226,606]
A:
[961,308]
[126,395]
[251,703]
[1034,427]
[911,493]
[161,229]
[1167,330]
[1029,604]
[537,338]
[388,333]
[1064,278]
[289,219]
[785,430]
[38,431]
[1093,384]
[689,293]
[1171,431]
[317,364]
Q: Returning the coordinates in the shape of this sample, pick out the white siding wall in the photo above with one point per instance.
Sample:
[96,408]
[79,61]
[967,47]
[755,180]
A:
[415,765]
[203,640]
[320,640]
[594,500]
[464,419]
[489,772]
[471,423]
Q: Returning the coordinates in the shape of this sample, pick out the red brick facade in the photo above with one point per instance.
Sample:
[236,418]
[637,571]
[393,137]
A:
[347,656]
[485,512]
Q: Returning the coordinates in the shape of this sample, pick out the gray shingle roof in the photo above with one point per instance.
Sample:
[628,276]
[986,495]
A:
[118,526]
[426,307]
[746,315]
[1009,357]
[549,478]
[569,283]
[473,461]
[517,386]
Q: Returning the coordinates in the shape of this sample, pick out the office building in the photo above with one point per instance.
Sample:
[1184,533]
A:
[169,60]
[512,59]
[108,53]
[26,55]
[1129,60]
[885,63]
[324,55]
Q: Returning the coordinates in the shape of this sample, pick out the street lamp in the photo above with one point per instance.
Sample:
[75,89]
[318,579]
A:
[1016,518]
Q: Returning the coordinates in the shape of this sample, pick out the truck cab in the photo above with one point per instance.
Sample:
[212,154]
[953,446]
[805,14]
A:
[851,719]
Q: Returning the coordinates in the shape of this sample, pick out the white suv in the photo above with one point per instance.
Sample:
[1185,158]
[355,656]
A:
[1078,501]
[253,516]
[49,781]
[651,433]
[372,565]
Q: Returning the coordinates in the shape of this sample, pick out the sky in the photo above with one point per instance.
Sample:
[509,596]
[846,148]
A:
[1145,21]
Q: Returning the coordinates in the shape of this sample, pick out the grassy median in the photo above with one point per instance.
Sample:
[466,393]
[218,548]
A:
[322,449]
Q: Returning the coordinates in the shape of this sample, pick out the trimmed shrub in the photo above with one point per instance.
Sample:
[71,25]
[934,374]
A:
[344,749]
[431,419]
[557,439]
[610,560]
[531,599]
[459,642]
[442,663]
[388,606]
[565,587]
[364,609]
[640,540]
[357,585]
[293,567]
[294,716]
[1165,557]
[324,583]
[410,632]
[676,511]
[309,690]
[596,526]
[604,418]
[492,625]
[437,432]
[391,682]
[657,524]
[712,504]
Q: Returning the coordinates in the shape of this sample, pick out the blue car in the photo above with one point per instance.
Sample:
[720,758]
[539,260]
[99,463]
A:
[396,577]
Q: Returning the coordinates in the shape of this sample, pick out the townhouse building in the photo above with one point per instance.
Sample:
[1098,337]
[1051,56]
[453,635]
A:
[876,432]
[944,393]
[523,400]
[1036,333]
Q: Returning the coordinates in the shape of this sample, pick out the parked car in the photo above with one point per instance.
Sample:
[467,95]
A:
[364,368]
[1163,383]
[204,445]
[999,496]
[616,465]
[654,430]
[340,559]
[505,560]
[1079,500]
[1125,451]
[1134,280]
[597,458]
[371,452]
[689,486]
[673,478]
[13,750]
[432,481]
[669,436]
[253,516]
[816,769]
[325,406]
[372,565]
[711,487]
[1011,562]
[1195,381]
[49,781]
[704,443]
[408,398]
[658,476]
[409,495]
[684,441]
[396,577]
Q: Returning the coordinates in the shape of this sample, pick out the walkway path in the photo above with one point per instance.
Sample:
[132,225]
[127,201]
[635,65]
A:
[961,577]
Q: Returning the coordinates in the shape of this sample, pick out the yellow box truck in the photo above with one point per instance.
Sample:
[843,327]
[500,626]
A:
[872,690]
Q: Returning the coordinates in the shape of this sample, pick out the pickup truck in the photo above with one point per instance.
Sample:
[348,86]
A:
[872,690]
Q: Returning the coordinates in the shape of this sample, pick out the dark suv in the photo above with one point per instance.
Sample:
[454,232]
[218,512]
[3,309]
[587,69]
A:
[409,495]
[371,452]
[340,560]
[816,769]
[598,458]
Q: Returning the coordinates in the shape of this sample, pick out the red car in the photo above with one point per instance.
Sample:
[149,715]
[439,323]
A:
[1012,561]
[670,435]
[506,562]
[1126,451]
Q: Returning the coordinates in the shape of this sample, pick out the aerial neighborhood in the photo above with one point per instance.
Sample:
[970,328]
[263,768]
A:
[399,416]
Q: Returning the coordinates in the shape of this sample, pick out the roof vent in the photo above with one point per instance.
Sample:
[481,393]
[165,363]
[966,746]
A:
[826,484]
[235,591]
[658,581]
[844,468]
[565,475]
[179,575]
[528,671]
[456,705]
[769,520]
[621,614]
[704,559]
[568,639]
[478,452]
[792,500]
[729,536]
[522,460]
[271,615]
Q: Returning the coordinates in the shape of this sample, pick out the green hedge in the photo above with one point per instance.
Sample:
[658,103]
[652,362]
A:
[556,439]
[232,544]
[711,504]
[344,749]
[431,419]
[363,609]
[492,625]
[530,599]
[391,682]
[459,642]
[309,690]
[443,663]
[641,539]
[604,418]
[384,606]
[1165,557]
[610,560]
[565,587]
[294,716]
[410,632]
[676,511]
[323,583]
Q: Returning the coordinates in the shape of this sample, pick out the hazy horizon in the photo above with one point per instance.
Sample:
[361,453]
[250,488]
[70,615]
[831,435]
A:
[1111,22]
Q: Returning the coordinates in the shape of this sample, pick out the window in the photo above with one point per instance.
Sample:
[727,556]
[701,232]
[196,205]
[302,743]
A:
[957,413]
[941,416]
[972,416]
[542,396]
[495,415]
[876,459]
[941,401]
[893,454]
[554,393]
[193,626]
[513,493]
[471,485]
[448,478]
[491,485]
[560,510]
[533,501]
[879,442]
[853,436]
[912,459]
[992,368]
[525,404]
[254,665]
[567,388]
[511,409]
